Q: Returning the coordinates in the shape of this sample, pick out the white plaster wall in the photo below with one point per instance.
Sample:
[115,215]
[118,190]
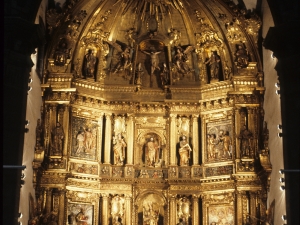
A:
[273,118]
[34,103]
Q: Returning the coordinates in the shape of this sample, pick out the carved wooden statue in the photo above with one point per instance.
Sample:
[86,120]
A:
[57,139]
[119,150]
[184,152]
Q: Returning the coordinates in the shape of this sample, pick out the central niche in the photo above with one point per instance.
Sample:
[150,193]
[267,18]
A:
[151,208]
[151,148]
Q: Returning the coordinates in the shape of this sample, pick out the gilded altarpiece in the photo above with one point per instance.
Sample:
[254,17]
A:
[160,123]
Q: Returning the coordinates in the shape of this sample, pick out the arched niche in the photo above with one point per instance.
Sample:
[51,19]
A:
[141,143]
[151,205]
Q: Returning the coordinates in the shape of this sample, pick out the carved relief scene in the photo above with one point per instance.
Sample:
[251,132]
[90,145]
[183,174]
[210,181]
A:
[84,138]
[80,214]
[219,141]
[221,215]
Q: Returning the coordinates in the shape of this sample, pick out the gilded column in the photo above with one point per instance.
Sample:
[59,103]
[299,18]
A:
[107,146]
[173,139]
[239,208]
[128,209]
[99,138]
[48,199]
[173,214]
[195,140]
[204,209]
[195,210]
[66,128]
[251,128]
[130,132]
[52,112]
[104,209]
[47,128]
[203,137]
[251,125]
[61,213]
[252,205]
[237,132]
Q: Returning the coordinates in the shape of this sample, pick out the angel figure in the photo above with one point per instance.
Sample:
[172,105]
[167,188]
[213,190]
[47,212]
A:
[129,36]
[125,60]
[175,36]
[124,56]
[181,59]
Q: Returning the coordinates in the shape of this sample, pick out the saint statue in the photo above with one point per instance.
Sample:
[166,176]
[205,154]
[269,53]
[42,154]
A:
[119,149]
[57,139]
[139,74]
[183,211]
[150,216]
[246,141]
[62,53]
[214,65]
[184,152]
[89,64]
[152,152]
[117,209]
[164,75]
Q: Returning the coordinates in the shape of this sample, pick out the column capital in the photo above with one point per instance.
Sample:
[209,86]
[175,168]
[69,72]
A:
[195,117]
[53,106]
[104,195]
[250,110]
[172,196]
[196,197]
[66,107]
[100,116]
[48,190]
[237,109]
[173,116]
[130,116]
[62,191]
[128,196]
[108,116]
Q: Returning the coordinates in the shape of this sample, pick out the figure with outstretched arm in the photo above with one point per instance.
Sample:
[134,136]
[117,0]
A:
[154,60]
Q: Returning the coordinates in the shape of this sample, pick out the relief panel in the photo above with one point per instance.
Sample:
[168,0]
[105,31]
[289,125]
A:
[80,213]
[219,141]
[84,138]
[218,214]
